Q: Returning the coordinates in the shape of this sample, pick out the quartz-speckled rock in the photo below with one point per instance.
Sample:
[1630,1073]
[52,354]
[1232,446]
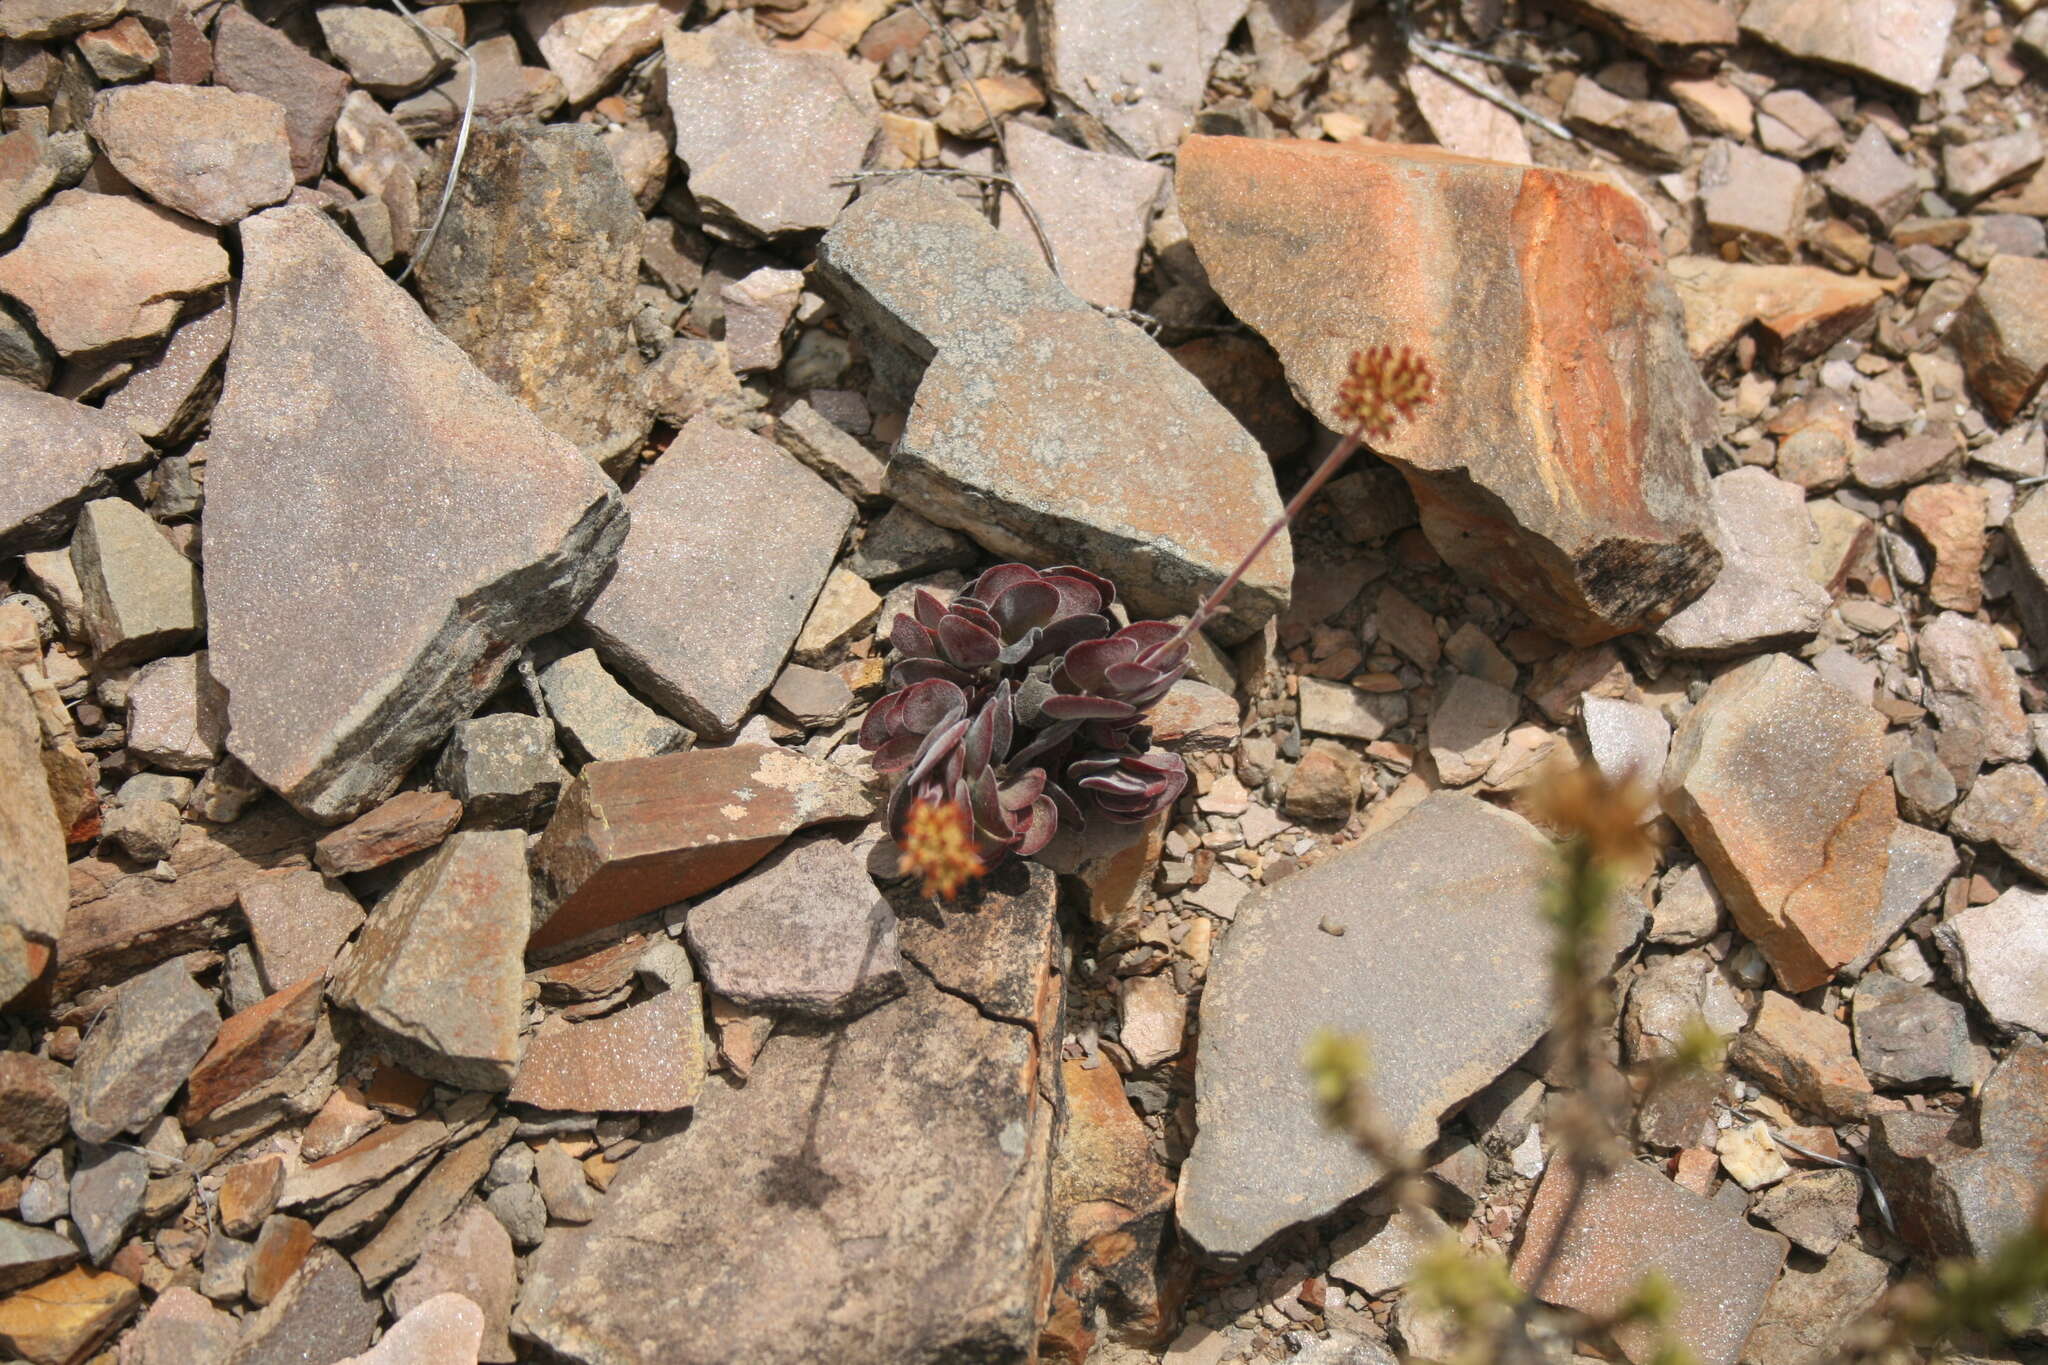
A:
[357,618]
[710,592]
[1777,779]
[208,152]
[1558,462]
[2002,952]
[533,276]
[1901,41]
[1093,206]
[55,455]
[142,598]
[647,1058]
[1454,885]
[1023,433]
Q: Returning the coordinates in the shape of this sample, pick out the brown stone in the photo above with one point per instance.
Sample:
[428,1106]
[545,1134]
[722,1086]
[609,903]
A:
[2001,332]
[470,1255]
[252,1047]
[408,823]
[647,1058]
[207,152]
[1686,36]
[321,1313]
[253,58]
[62,1319]
[363,1163]
[1777,779]
[633,836]
[282,1246]
[103,271]
[59,455]
[248,1194]
[1799,310]
[1951,518]
[298,921]
[1803,1057]
[1975,694]
[35,1099]
[399,1242]
[32,869]
[1516,284]
[1632,1221]
[1906,46]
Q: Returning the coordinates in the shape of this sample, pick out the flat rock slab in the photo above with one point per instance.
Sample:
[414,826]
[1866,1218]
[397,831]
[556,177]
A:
[533,275]
[766,134]
[2001,950]
[384,526]
[1633,1221]
[34,881]
[646,1059]
[1561,458]
[858,1169]
[588,43]
[1441,971]
[2003,341]
[1798,310]
[209,153]
[437,971]
[731,540]
[55,455]
[1777,779]
[1763,595]
[253,58]
[640,834]
[1901,41]
[1140,69]
[298,921]
[139,1053]
[1094,207]
[804,933]
[1044,429]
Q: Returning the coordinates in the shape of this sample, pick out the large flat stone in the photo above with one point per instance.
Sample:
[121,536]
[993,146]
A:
[159,1025]
[1139,69]
[1777,779]
[731,539]
[1901,41]
[876,1193]
[1042,428]
[1440,971]
[2001,953]
[533,275]
[384,526]
[1561,458]
[55,455]
[209,153]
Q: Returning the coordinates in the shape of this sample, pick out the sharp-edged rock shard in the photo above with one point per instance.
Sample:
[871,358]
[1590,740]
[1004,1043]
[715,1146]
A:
[1026,432]
[384,526]
[1561,458]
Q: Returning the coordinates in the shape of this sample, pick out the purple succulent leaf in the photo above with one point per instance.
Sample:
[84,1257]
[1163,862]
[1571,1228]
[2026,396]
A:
[905,672]
[1022,791]
[966,644]
[879,724]
[897,754]
[1062,635]
[1165,656]
[975,614]
[1123,679]
[978,748]
[929,704]
[939,745]
[929,606]
[1063,801]
[1088,708]
[1104,589]
[1148,634]
[1020,650]
[1025,605]
[993,582]
[1087,664]
[1078,597]
[1040,821]
[1004,724]
[911,640]
[1047,741]
[986,803]
[1031,695]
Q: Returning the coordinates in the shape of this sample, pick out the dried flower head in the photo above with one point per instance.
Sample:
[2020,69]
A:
[938,846]
[1580,802]
[1384,386]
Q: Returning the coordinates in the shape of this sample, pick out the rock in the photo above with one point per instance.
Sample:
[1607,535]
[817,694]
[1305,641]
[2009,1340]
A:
[1262,1160]
[1815,1209]
[1998,333]
[1461,121]
[145,830]
[106,1197]
[1799,310]
[1905,461]
[34,1100]
[1325,783]
[1874,183]
[758,173]
[1329,708]
[1672,998]
[384,1152]
[379,158]
[1627,739]
[431,1203]
[1648,132]
[1043,459]
[470,1256]
[142,598]
[1380,1256]
[166,399]
[181,1328]
[1972,170]
[646,1059]
[1750,1158]
[253,1048]
[2002,948]
[805,933]
[1138,70]
[1469,728]
[1794,124]
[1926,789]
[601,720]
[1688,909]
[134,1059]
[102,271]
[1810,1313]
[406,824]
[757,309]
[1632,1221]
[299,526]
[1908,1037]
[33,890]
[447,1327]
[209,153]
[1688,36]
[2008,806]
[177,714]
[1153,1020]
[1804,1058]
[436,972]
[589,45]
[46,1191]
[1951,517]
[507,91]
[63,1319]
[58,455]
[280,1248]
[901,544]
[1752,200]
[1763,595]
[2027,535]
[502,768]
[33,164]
[1772,769]
[533,274]
[1094,207]
[297,923]
[322,1313]
[833,455]
[386,55]
[1922,861]
[635,836]
[24,357]
[30,1254]
[845,609]
[834,1137]
[56,18]
[1579,575]
[248,1194]
[1905,49]
[252,58]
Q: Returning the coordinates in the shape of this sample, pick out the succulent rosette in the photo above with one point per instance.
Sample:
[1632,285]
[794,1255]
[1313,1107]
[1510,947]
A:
[1023,703]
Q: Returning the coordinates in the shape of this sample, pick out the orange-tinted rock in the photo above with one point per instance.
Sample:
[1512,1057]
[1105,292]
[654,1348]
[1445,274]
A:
[1678,35]
[281,1248]
[1799,310]
[1777,779]
[1804,1057]
[248,1194]
[648,1058]
[1951,518]
[60,1320]
[251,1048]
[1561,458]
[638,834]
[406,824]
[35,1097]
[2001,335]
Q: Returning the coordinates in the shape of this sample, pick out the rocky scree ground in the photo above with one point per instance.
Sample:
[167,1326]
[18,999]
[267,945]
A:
[443,915]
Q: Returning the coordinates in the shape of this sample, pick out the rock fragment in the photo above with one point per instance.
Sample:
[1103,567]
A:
[502,768]
[1627,738]
[1752,200]
[469,1255]
[165,399]
[177,714]
[1904,43]
[406,824]
[1999,332]
[252,58]
[766,134]
[298,921]
[1581,572]
[647,1058]
[104,271]
[1799,311]
[533,276]
[386,55]
[63,1319]
[1763,595]
[1908,1036]
[1804,1057]
[1686,36]
[323,1312]
[142,598]
[1975,694]
[436,972]
[159,1025]
[709,597]
[1810,1312]
[309,499]
[1022,435]
[55,455]
[1139,70]
[1972,170]
[1468,729]
[106,1197]
[233,1081]
[182,1328]
[588,45]
[601,720]
[1094,207]
[2003,951]
[36,1094]
[1951,518]
[1873,182]
[1778,781]
[207,152]
[33,879]
[1955,1197]
[1648,132]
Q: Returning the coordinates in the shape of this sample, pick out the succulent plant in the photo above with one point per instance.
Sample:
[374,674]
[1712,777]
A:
[1022,703]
